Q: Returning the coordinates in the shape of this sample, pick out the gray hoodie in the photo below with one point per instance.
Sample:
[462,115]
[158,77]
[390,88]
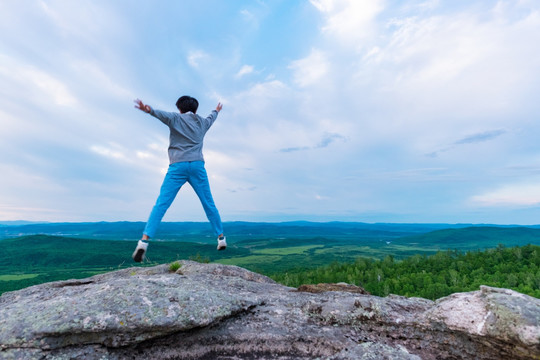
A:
[187,133]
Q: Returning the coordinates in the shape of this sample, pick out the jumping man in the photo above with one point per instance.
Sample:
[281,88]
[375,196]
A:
[186,163]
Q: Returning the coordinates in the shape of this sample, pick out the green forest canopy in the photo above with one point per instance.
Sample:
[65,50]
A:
[433,276]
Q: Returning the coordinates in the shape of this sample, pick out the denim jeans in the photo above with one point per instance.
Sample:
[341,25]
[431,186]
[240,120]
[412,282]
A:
[178,173]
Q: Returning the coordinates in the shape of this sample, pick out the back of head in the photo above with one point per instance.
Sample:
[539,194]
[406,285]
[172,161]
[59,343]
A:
[186,104]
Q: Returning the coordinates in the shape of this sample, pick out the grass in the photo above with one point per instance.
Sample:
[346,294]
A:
[174,266]
[17,277]
[287,250]
[249,260]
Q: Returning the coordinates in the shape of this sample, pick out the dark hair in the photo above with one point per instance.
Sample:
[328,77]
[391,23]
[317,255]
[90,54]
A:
[187,103]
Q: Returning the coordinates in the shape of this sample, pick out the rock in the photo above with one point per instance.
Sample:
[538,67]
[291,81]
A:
[213,311]
[319,288]
[504,315]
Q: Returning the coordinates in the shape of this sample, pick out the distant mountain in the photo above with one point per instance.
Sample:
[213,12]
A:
[20,222]
[201,231]
[477,237]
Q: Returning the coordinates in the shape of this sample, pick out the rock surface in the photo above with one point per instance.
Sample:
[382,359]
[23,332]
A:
[212,311]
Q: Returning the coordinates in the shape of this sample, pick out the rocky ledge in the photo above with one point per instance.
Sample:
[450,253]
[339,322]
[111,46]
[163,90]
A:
[212,311]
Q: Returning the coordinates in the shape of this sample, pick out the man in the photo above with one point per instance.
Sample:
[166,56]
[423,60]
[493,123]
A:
[186,164]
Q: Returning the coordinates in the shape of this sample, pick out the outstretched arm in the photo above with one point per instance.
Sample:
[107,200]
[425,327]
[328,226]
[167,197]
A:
[141,106]
[213,116]
[163,116]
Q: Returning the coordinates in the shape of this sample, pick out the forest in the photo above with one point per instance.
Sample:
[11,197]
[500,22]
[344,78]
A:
[432,276]
[426,260]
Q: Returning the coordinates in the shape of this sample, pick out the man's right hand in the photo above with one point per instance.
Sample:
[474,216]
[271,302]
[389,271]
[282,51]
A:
[140,105]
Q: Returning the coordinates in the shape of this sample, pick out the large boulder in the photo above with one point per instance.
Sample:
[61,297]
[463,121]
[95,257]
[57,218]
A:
[225,312]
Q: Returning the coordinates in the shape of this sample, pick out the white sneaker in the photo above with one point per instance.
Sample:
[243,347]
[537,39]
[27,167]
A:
[140,250]
[221,243]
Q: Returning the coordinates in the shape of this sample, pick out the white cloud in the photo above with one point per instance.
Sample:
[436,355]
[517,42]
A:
[196,57]
[365,95]
[82,22]
[33,83]
[244,70]
[260,97]
[350,21]
[311,69]
[522,194]
[113,151]
[105,81]
[248,15]
[432,73]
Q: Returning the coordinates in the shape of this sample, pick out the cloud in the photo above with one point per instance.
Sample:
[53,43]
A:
[442,68]
[81,22]
[196,57]
[293,149]
[357,87]
[480,137]
[103,79]
[113,151]
[244,70]
[311,69]
[522,194]
[241,189]
[34,83]
[326,140]
[424,74]
[349,21]
[470,139]
[248,16]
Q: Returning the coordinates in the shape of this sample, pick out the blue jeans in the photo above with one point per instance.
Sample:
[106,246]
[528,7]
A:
[195,174]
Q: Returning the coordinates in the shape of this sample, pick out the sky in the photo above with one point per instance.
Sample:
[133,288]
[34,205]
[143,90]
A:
[333,110]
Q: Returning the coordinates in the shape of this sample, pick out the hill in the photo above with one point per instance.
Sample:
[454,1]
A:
[199,232]
[471,238]
[269,249]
